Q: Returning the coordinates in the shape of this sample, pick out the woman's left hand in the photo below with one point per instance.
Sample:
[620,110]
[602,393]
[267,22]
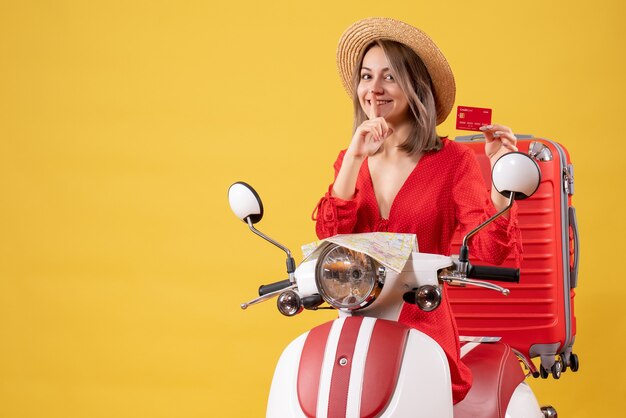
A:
[499,140]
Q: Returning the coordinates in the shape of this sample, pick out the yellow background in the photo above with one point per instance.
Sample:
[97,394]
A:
[122,124]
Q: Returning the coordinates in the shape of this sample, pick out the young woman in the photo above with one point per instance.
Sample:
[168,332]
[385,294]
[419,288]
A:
[398,175]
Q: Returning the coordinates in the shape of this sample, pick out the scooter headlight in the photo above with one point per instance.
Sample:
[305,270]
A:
[348,279]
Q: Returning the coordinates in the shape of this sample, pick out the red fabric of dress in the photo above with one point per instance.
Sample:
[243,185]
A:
[444,191]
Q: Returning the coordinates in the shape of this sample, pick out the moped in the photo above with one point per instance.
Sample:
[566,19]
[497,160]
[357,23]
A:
[365,363]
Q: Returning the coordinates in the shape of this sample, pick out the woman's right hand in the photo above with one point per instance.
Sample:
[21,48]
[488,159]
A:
[369,136]
[367,139]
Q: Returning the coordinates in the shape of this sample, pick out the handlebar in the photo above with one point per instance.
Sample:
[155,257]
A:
[264,289]
[499,274]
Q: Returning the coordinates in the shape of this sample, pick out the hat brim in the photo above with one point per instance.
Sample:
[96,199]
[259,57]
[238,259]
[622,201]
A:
[362,33]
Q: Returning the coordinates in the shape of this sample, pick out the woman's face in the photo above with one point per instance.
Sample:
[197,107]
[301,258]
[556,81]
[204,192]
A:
[379,83]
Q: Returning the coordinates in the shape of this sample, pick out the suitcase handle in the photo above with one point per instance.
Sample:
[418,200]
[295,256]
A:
[481,137]
[573,223]
[500,274]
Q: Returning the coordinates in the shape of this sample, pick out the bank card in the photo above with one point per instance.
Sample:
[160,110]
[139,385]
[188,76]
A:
[472,118]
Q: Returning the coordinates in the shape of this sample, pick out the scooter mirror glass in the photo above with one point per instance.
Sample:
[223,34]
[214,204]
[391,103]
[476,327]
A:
[518,173]
[245,202]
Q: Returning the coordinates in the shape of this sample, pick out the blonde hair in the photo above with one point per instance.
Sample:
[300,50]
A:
[413,78]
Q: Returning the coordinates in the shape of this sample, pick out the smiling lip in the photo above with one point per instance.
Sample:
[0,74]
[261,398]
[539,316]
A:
[379,102]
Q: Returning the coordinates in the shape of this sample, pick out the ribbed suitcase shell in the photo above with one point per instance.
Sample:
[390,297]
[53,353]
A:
[537,318]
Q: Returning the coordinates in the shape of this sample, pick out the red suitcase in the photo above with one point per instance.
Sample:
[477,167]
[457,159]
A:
[537,318]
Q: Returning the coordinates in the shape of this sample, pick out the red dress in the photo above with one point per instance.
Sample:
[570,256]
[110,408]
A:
[444,191]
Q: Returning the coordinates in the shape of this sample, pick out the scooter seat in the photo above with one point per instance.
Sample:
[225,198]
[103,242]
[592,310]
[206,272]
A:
[496,374]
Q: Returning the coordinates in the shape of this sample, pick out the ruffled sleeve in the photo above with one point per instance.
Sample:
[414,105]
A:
[473,205]
[333,215]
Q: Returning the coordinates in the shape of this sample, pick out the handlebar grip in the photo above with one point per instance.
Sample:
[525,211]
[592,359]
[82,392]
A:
[264,289]
[500,274]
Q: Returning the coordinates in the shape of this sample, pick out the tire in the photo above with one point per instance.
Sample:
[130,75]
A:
[573,362]
[556,370]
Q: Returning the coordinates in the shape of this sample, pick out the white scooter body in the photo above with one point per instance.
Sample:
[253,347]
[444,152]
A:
[423,386]
[431,396]
[340,369]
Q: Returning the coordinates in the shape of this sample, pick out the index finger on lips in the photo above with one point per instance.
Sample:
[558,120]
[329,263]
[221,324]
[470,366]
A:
[373,106]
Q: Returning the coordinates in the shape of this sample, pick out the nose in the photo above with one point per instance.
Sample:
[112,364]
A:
[376,90]
[376,86]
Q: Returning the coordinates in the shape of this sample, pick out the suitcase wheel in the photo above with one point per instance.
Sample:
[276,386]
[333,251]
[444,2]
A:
[555,370]
[573,362]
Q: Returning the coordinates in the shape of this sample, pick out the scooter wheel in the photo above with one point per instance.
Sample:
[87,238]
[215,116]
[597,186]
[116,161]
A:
[543,372]
[549,412]
[556,370]
[573,362]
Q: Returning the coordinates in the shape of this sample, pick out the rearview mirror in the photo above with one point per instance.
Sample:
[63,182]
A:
[516,173]
[245,202]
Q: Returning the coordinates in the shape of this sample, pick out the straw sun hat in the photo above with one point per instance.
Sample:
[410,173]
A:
[365,31]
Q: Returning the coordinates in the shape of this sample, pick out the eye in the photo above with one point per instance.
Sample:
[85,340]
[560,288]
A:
[366,76]
[389,77]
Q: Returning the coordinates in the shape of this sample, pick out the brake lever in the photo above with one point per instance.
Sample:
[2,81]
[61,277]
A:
[457,280]
[267,296]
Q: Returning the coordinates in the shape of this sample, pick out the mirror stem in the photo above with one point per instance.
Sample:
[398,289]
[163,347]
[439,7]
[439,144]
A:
[464,250]
[291,264]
